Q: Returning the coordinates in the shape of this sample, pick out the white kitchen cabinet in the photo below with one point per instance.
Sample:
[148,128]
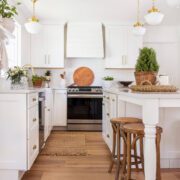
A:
[60,108]
[109,112]
[85,40]
[47,47]
[122,47]
[19,133]
[48,112]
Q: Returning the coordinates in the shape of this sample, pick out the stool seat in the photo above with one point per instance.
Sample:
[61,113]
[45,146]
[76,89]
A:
[124,120]
[138,128]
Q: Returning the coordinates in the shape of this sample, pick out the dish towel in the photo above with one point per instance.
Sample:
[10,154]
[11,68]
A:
[3,55]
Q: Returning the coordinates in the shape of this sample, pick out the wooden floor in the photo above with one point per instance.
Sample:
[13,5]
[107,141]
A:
[92,165]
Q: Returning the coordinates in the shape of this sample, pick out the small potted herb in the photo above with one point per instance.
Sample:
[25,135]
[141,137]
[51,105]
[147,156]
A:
[147,66]
[48,75]
[108,81]
[7,12]
[37,81]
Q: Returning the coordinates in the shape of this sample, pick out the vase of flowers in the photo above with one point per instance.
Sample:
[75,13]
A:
[38,81]
[15,75]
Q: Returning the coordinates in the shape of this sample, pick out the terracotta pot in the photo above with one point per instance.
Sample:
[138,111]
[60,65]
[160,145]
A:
[142,77]
[9,24]
[38,84]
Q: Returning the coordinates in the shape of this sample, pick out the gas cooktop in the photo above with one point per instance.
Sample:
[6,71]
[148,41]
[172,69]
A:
[84,90]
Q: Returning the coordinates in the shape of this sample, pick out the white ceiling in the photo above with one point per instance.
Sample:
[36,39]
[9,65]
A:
[97,10]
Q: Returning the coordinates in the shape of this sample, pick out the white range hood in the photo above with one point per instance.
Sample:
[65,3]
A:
[85,40]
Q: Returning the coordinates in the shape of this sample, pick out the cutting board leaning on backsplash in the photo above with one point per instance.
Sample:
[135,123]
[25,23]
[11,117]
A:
[83,76]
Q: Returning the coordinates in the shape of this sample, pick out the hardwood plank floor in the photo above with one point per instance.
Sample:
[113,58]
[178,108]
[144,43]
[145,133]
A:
[90,166]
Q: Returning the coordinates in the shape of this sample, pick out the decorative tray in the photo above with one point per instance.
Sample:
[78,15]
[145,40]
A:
[153,88]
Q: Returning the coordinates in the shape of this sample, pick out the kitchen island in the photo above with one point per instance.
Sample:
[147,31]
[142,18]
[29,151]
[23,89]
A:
[150,105]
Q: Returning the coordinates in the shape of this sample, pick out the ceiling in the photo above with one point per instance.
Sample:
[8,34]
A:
[97,10]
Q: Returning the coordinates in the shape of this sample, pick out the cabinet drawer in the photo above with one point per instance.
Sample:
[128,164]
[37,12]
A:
[33,146]
[33,120]
[32,99]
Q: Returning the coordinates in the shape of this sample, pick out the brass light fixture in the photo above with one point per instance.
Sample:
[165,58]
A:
[154,16]
[33,26]
[139,29]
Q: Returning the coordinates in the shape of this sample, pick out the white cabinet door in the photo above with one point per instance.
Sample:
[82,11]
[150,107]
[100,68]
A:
[47,47]
[122,47]
[38,49]
[48,113]
[60,108]
[115,46]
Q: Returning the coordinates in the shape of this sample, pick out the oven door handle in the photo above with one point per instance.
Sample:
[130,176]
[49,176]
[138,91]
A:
[84,96]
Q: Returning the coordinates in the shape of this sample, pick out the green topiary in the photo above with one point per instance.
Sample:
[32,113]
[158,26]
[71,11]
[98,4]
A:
[147,61]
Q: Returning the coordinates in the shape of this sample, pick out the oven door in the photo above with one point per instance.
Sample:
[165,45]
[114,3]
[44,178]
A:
[84,108]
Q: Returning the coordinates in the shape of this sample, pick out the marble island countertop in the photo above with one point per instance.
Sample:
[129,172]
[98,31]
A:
[144,95]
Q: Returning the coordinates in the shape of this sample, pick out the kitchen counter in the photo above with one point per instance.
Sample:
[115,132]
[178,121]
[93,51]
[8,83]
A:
[152,106]
[130,93]
[22,91]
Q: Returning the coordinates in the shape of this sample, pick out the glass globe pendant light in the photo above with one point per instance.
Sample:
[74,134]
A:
[173,3]
[138,28]
[33,26]
[154,16]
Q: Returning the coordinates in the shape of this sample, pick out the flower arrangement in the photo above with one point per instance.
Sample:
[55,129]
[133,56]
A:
[15,74]
[38,80]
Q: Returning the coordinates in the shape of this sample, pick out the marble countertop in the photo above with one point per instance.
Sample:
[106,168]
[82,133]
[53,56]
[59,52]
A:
[22,91]
[143,95]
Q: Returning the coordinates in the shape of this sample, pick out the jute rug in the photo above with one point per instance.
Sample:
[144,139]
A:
[63,144]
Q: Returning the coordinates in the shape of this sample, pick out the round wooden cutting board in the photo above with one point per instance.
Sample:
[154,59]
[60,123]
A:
[83,76]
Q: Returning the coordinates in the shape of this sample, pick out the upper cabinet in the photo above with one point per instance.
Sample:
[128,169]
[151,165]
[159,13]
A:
[47,47]
[122,47]
[85,40]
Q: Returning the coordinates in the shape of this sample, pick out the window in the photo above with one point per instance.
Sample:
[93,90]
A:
[13,47]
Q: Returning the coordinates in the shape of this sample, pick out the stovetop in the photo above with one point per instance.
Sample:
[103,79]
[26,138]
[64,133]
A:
[84,90]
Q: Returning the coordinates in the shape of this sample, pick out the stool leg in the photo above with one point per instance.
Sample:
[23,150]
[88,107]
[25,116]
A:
[135,154]
[118,153]
[114,149]
[124,156]
[142,152]
[158,171]
[128,156]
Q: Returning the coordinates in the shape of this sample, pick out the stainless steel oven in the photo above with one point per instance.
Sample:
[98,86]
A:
[85,108]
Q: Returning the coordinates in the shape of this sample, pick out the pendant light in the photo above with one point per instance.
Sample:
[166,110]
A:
[138,28]
[33,26]
[154,16]
[173,3]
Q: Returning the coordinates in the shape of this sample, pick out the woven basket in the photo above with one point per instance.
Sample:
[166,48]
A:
[145,76]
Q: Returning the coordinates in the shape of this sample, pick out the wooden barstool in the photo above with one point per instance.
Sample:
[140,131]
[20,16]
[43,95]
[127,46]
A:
[117,124]
[138,130]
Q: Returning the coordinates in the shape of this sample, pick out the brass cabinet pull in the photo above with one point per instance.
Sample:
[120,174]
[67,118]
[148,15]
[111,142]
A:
[34,120]
[49,110]
[107,114]
[107,97]
[108,136]
[34,147]
[113,100]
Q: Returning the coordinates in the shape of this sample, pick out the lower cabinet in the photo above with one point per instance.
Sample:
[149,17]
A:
[48,113]
[109,112]
[60,108]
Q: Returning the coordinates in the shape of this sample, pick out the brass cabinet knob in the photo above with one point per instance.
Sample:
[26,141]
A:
[113,100]
[107,97]
[107,114]
[34,99]
[49,110]
[34,120]
[108,136]
[34,147]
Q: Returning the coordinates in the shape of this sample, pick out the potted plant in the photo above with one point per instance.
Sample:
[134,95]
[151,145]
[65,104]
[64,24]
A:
[108,81]
[7,13]
[147,66]
[37,81]
[15,75]
[48,75]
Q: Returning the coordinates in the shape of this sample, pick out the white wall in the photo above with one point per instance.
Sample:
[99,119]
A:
[164,39]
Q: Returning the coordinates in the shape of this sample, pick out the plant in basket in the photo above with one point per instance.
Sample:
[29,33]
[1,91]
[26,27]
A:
[147,66]
[37,81]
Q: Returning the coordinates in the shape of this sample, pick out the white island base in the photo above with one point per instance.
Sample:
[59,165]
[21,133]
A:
[149,105]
